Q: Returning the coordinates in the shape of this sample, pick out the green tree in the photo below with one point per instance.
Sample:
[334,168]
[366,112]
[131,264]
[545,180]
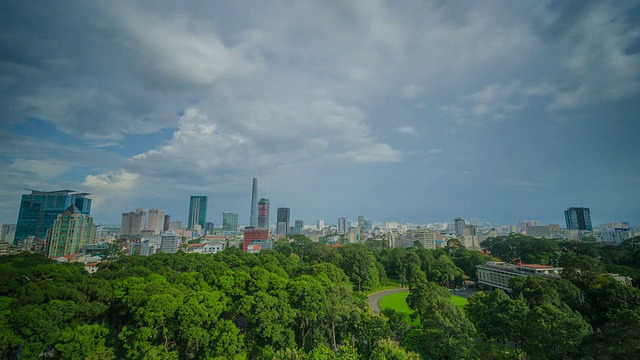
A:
[84,342]
[390,350]
[360,265]
[446,332]
[619,339]
[554,332]
[497,317]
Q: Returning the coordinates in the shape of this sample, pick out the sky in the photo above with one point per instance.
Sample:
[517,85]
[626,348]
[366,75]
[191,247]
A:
[410,111]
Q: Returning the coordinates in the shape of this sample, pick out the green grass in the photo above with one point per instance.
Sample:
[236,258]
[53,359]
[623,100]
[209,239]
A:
[398,302]
[390,284]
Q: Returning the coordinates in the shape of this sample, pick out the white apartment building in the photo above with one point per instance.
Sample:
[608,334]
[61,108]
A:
[497,274]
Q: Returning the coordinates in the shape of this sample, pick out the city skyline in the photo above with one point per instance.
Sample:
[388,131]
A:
[137,221]
[409,112]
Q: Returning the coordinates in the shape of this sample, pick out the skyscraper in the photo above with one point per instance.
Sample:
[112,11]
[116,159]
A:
[70,232]
[578,218]
[460,225]
[156,220]
[263,213]
[282,225]
[343,225]
[40,209]
[133,222]
[299,225]
[229,221]
[167,221]
[253,219]
[197,211]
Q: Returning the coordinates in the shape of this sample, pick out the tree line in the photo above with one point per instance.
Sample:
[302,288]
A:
[305,300]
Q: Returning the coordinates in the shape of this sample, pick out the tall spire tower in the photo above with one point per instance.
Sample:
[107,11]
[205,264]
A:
[253,220]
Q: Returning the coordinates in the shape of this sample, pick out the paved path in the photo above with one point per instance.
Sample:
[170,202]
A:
[374,299]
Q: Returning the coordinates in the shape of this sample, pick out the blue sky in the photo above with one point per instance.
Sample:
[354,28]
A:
[417,111]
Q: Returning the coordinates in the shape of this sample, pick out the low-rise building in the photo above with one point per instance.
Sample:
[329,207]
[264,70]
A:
[496,274]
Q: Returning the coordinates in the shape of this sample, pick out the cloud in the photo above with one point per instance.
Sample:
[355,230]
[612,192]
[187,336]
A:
[120,181]
[598,63]
[412,91]
[494,102]
[409,130]
[183,49]
[41,169]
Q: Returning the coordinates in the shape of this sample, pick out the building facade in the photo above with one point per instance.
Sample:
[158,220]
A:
[298,227]
[40,209]
[496,274]
[133,222]
[156,220]
[578,218]
[255,240]
[169,242]
[229,221]
[197,211]
[263,213]
[71,231]
[460,226]
[343,225]
[282,224]
[253,218]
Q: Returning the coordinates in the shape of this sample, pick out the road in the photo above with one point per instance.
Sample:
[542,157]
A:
[374,299]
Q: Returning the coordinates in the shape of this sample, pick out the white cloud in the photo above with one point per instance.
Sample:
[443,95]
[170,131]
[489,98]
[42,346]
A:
[112,181]
[494,102]
[409,130]
[41,169]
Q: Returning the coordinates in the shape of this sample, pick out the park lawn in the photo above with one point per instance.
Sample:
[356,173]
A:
[398,302]
[390,284]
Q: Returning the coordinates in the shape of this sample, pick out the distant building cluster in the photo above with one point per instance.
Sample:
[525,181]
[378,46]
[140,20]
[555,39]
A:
[59,224]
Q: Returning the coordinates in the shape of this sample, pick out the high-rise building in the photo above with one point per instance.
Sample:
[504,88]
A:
[208,228]
[525,223]
[282,224]
[255,240]
[460,225]
[166,223]
[7,232]
[299,225]
[197,211]
[170,242]
[578,218]
[361,228]
[70,232]
[253,218]
[133,222]
[229,221]
[263,213]
[426,237]
[40,209]
[320,224]
[343,225]
[368,224]
[156,220]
